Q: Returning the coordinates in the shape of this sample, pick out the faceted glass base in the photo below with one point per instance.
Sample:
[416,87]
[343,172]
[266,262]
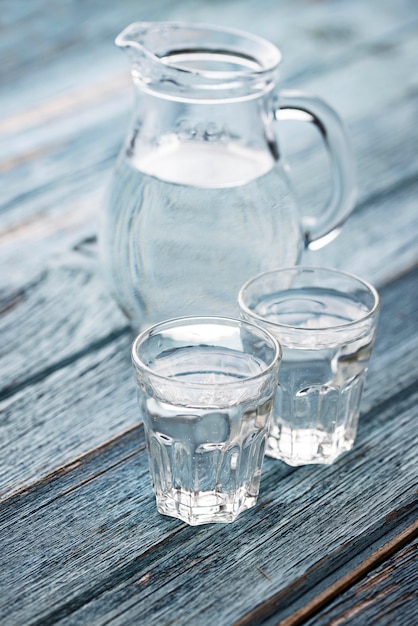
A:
[206,507]
[307,446]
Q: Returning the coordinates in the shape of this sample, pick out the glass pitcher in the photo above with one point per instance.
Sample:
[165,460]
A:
[199,201]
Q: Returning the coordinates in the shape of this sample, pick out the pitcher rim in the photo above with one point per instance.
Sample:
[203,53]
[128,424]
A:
[119,40]
[263,54]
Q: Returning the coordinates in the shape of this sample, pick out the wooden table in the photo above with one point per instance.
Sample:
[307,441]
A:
[81,541]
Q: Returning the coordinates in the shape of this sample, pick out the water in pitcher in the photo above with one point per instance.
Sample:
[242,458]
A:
[206,462]
[188,223]
[317,403]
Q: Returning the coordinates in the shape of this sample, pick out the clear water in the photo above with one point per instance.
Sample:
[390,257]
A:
[318,400]
[205,460]
[189,222]
[310,307]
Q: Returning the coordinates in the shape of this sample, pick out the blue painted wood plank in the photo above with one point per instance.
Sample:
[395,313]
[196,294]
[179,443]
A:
[84,318]
[73,144]
[275,546]
[61,192]
[70,295]
[79,405]
[97,550]
[307,31]
[387,596]
[85,544]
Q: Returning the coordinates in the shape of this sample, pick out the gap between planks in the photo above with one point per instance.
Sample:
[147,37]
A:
[83,459]
[392,520]
[96,345]
[267,608]
[10,390]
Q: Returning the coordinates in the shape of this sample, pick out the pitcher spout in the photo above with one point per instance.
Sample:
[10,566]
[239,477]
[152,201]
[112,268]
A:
[133,35]
[133,39]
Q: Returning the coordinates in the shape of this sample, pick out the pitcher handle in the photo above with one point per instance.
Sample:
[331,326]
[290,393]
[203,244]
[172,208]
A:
[318,231]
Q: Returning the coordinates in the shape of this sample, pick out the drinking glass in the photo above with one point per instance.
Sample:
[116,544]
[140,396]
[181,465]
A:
[326,322]
[206,391]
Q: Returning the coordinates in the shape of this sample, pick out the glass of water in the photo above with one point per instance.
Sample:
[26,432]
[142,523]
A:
[325,321]
[206,392]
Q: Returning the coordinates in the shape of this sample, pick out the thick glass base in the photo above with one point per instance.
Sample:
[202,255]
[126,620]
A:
[308,446]
[205,507]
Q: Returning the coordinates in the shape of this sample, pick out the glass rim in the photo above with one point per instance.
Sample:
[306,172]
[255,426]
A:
[140,366]
[313,268]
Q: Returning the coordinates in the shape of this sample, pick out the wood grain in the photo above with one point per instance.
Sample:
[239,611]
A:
[266,614]
[89,399]
[78,148]
[108,490]
[388,594]
[108,516]
[80,539]
[71,293]
[76,36]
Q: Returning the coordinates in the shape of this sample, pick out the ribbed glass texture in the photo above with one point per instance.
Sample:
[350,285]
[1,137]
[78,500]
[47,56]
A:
[206,392]
[325,321]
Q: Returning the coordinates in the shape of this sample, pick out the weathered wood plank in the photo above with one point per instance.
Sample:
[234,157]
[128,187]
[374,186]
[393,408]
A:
[70,147]
[284,550]
[374,242]
[65,206]
[358,566]
[59,414]
[81,313]
[92,399]
[71,43]
[61,316]
[85,544]
[387,596]
[109,518]
[69,411]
